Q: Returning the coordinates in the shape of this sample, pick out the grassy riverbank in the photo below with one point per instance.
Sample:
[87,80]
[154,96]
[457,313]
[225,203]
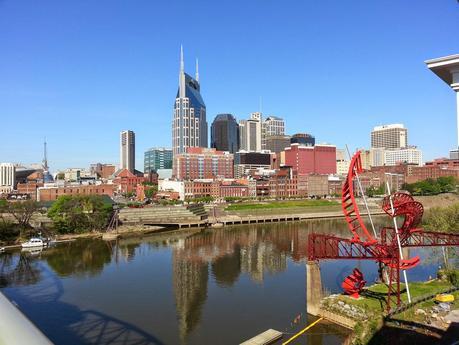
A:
[369,311]
[281,204]
[286,207]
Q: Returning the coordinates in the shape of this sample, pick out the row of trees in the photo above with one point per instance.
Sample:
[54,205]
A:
[69,214]
[445,184]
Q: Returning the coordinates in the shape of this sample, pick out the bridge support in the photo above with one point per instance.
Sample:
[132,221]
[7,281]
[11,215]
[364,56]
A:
[313,288]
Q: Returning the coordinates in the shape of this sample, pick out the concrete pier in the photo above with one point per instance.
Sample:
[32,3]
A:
[313,288]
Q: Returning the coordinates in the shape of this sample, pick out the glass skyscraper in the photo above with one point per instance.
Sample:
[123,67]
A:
[189,125]
[157,158]
[225,133]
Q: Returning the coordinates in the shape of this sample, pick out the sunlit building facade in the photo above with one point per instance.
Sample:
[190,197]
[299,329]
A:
[189,124]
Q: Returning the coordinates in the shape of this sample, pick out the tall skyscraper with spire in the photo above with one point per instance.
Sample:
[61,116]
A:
[189,125]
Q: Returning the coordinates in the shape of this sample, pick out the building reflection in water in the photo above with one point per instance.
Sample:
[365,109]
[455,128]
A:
[230,252]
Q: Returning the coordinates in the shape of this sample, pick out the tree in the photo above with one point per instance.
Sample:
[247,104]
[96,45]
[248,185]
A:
[151,191]
[444,184]
[79,213]
[22,211]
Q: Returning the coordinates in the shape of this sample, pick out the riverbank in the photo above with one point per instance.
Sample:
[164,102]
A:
[372,325]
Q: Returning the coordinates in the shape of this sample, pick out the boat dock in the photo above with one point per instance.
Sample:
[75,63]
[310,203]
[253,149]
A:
[18,246]
[265,338]
[272,218]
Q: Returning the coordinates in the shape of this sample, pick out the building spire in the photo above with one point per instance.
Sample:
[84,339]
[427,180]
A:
[45,156]
[182,74]
[197,70]
[182,64]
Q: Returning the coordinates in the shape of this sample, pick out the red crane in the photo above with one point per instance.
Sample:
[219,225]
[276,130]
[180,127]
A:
[385,249]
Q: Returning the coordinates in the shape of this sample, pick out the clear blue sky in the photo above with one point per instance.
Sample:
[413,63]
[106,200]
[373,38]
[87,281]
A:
[78,72]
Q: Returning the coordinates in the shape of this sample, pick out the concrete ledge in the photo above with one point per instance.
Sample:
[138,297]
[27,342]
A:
[338,319]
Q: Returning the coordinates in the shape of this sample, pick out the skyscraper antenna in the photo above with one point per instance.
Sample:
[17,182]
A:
[182,63]
[45,156]
[197,70]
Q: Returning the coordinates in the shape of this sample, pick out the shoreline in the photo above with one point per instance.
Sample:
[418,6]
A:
[138,230]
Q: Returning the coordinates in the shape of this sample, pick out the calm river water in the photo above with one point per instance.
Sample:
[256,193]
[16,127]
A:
[218,286]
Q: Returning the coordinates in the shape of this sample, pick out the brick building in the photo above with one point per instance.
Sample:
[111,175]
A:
[30,188]
[216,188]
[319,159]
[126,181]
[417,174]
[203,163]
[445,163]
[103,171]
[52,193]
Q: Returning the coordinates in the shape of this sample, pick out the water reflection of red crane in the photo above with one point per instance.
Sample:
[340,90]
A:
[385,248]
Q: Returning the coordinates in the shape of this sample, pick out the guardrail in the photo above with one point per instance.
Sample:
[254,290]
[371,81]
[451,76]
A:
[418,300]
[16,328]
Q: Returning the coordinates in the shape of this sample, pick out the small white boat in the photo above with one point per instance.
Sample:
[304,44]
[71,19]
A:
[33,242]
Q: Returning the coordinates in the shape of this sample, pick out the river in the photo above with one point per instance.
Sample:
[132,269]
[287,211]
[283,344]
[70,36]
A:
[216,286]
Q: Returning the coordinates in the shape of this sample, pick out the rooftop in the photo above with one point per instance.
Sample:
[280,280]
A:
[443,67]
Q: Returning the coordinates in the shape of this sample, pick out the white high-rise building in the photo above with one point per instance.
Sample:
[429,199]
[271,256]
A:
[7,177]
[127,150]
[393,136]
[410,155]
[274,126]
[250,133]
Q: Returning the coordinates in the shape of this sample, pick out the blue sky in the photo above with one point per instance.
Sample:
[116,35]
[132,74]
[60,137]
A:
[78,72]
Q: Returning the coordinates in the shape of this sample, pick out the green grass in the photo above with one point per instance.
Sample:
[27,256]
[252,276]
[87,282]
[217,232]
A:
[374,300]
[281,204]
[410,314]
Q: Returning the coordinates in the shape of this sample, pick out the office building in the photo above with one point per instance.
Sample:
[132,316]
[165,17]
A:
[318,159]
[277,143]
[410,155]
[157,158]
[225,133]
[72,174]
[342,162]
[247,163]
[393,136]
[250,132]
[274,126]
[203,163]
[304,139]
[127,150]
[7,177]
[189,124]
[366,158]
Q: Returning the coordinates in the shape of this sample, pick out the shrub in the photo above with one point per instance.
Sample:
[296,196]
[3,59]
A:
[453,277]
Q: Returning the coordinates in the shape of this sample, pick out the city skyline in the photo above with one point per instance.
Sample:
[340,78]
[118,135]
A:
[102,90]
